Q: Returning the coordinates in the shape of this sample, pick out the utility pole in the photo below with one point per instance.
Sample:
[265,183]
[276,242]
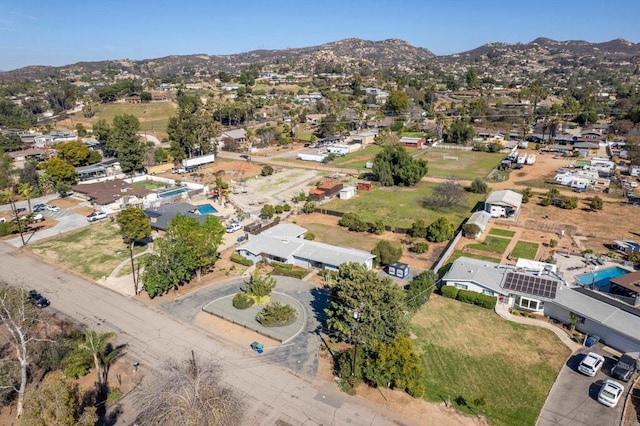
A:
[356,316]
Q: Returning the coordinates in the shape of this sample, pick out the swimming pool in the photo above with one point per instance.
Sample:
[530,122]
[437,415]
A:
[207,209]
[172,193]
[601,278]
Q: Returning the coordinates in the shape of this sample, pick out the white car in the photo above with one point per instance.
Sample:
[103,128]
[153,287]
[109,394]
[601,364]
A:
[590,364]
[95,216]
[52,208]
[610,393]
[233,227]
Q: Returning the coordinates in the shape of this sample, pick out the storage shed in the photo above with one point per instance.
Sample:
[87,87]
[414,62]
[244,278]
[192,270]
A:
[347,192]
[398,269]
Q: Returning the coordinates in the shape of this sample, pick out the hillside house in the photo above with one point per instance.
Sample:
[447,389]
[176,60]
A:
[410,142]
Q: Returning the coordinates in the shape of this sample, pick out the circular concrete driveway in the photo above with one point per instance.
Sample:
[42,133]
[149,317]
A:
[299,353]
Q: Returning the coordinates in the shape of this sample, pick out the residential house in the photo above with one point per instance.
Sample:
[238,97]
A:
[503,203]
[103,169]
[161,217]
[115,194]
[285,243]
[364,138]
[541,291]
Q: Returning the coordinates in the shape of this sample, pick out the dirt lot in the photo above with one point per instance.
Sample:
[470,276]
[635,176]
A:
[617,220]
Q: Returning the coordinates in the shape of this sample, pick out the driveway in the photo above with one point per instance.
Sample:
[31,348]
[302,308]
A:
[573,400]
[300,353]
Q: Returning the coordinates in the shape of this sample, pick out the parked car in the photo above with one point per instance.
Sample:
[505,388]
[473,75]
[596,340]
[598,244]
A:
[610,393]
[37,217]
[624,368]
[244,156]
[233,227]
[590,364]
[39,208]
[95,216]
[52,208]
[38,300]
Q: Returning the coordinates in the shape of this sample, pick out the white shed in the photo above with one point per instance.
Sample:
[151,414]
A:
[347,192]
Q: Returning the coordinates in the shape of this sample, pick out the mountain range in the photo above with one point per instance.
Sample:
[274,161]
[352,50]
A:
[350,54]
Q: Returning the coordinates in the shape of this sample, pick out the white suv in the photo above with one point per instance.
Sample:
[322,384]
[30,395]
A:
[233,227]
[95,216]
[590,364]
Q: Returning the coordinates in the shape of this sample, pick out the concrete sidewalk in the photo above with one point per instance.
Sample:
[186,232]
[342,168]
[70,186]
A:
[503,310]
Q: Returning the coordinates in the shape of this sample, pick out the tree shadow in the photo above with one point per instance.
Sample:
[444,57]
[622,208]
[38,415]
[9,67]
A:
[110,418]
[319,301]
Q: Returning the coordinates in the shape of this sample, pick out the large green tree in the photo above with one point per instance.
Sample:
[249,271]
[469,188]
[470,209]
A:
[76,153]
[394,166]
[60,172]
[134,226]
[189,248]
[57,401]
[7,170]
[192,131]
[460,132]
[128,146]
[378,301]
[420,289]
[397,101]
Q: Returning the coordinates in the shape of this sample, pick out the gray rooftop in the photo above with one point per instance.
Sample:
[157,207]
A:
[278,241]
[480,218]
[505,197]
[598,311]
[477,271]
[160,217]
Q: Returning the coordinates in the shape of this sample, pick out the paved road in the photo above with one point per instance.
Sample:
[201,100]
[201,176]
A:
[274,395]
[573,400]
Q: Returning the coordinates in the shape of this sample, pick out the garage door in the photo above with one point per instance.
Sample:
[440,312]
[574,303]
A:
[622,343]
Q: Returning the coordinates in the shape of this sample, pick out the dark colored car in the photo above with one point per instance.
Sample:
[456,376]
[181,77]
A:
[624,368]
[244,156]
[38,300]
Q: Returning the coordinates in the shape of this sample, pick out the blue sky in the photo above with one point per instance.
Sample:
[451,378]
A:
[66,31]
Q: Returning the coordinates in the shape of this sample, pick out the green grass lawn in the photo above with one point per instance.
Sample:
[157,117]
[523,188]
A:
[93,251]
[414,134]
[400,206]
[525,250]
[149,184]
[501,232]
[468,166]
[492,245]
[358,159]
[501,370]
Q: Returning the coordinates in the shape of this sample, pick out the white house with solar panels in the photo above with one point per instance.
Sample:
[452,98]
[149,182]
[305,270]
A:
[537,288]
[285,243]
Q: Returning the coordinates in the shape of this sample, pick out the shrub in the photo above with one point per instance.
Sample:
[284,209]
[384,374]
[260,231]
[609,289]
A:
[479,299]
[596,203]
[113,395]
[478,186]
[470,230]
[377,227]
[243,301]
[353,222]
[286,207]
[279,209]
[553,243]
[77,363]
[236,258]
[419,248]
[420,289]
[309,207]
[267,170]
[569,203]
[449,291]
[310,236]
[387,252]
[277,315]
[440,230]
[260,285]
[7,228]
[288,270]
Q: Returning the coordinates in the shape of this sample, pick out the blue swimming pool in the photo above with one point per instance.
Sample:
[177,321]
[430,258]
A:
[172,193]
[601,278]
[207,209]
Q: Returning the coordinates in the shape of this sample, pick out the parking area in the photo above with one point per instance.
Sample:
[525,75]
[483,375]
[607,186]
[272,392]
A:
[573,400]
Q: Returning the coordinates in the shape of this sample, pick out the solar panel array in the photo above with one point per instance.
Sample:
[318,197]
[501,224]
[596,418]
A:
[530,284]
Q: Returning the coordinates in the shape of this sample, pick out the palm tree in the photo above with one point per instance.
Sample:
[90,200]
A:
[98,346]
[27,191]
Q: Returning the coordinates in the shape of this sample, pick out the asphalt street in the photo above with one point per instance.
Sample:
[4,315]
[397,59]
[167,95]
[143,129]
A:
[272,394]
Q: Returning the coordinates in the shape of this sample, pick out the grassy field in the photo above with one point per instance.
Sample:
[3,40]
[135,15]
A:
[336,235]
[468,166]
[400,206]
[525,250]
[492,245]
[357,160]
[484,364]
[93,251]
[149,184]
[501,232]
[153,116]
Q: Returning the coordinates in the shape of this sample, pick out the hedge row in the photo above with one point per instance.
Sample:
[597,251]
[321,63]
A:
[288,270]
[468,296]
[235,257]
